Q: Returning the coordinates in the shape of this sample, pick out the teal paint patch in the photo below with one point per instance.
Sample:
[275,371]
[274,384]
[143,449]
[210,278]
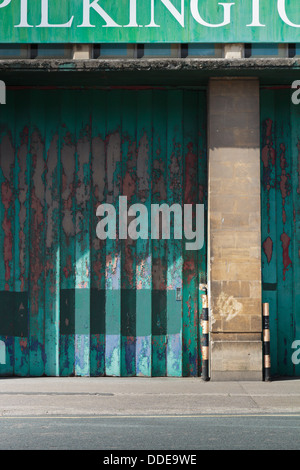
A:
[128,312]
[98,299]
[67,312]
[14,314]
[82,311]
[20,314]
[82,355]
[159,312]
[174,321]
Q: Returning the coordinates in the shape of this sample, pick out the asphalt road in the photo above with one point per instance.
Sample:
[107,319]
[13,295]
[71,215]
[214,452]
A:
[185,433]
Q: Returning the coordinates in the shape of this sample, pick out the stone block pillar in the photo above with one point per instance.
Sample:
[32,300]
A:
[234,229]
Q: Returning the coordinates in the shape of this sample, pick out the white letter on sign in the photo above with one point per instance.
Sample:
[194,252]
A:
[24,13]
[5,3]
[2,353]
[45,21]
[255,14]
[178,15]
[132,15]
[282,13]
[197,17]
[2,92]
[110,23]
[296,94]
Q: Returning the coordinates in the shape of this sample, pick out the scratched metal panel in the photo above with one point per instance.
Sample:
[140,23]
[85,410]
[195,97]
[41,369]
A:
[71,304]
[280,160]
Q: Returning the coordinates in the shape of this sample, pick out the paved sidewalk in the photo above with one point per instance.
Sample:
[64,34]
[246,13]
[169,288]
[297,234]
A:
[144,397]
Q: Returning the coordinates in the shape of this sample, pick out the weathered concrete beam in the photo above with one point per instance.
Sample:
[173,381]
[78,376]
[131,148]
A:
[144,72]
[135,65]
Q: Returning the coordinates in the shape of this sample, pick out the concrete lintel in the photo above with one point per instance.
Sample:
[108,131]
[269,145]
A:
[145,72]
[194,64]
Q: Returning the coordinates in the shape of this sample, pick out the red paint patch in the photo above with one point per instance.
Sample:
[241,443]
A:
[268,248]
[7,196]
[129,185]
[98,271]
[284,180]
[189,268]
[285,240]
[190,175]
[68,268]
[268,152]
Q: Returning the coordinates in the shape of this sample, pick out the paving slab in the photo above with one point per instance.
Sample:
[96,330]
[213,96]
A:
[144,397]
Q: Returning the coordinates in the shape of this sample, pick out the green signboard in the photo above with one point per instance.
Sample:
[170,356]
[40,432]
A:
[149,21]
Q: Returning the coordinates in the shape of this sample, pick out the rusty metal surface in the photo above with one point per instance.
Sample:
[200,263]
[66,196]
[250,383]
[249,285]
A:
[72,304]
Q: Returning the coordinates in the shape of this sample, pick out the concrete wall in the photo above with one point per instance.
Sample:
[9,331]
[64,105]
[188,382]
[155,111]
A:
[234,229]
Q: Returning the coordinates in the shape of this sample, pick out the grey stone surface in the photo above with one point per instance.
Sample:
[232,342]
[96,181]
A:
[79,396]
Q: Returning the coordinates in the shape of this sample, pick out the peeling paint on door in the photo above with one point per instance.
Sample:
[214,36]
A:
[72,304]
[280,131]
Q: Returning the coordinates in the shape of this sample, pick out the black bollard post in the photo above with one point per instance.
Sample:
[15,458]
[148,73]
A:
[266,342]
[205,336]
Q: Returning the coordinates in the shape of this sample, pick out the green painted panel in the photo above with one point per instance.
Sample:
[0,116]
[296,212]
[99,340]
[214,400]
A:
[128,250]
[98,247]
[280,121]
[52,237]
[159,247]
[21,228]
[37,153]
[143,247]
[113,246]
[191,348]
[67,233]
[174,249]
[134,21]
[70,303]
[82,231]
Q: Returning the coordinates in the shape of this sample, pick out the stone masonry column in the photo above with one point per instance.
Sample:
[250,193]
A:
[234,233]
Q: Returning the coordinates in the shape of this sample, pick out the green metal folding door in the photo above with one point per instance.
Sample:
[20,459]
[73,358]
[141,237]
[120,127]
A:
[280,172]
[70,303]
